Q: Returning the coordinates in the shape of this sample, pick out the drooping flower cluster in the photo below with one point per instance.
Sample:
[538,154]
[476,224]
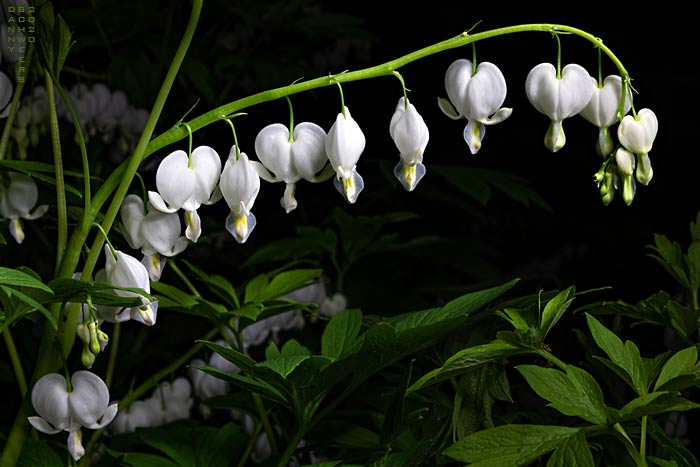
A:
[83,404]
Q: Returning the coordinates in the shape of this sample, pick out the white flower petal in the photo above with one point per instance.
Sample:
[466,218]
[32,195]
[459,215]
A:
[308,150]
[176,181]
[43,426]
[240,183]
[75,444]
[50,400]
[345,142]
[132,215]
[559,98]
[274,150]
[637,135]
[601,110]
[486,91]
[206,165]
[89,399]
[409,132]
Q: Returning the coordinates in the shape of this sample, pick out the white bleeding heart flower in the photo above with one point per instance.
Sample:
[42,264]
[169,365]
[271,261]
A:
[140,414]
[85,406]
[240,185]
[476,95]
[18,196]
[155,233]
[292,157]
[344,145]
[637,134]
[410,135]
[602,110]
[187,183]
[558,97]
[123,270]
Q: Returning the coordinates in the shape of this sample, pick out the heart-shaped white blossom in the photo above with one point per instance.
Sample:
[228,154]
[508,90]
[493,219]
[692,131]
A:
[602,110]
[410,135]
[240,185]
[344,145]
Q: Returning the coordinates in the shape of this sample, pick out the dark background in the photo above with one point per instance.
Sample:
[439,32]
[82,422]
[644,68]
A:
[241,48]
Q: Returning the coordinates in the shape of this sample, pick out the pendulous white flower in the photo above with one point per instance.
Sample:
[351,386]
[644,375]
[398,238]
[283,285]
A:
[637,134]
[86,405]
[18,196]
[155,233]
[625,169]
[291,157]
[344,145]
[410,135]
[603,107]
[175,399]
[558,97]
[240,185]
[187,183]
[477,95]
[123,270]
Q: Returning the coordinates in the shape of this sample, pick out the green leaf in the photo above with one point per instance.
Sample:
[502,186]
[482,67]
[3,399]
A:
[284,365]
[670,256]
[340,333]
[174,295]
[460,306]
[573,451]
[655,403]
[289,281]
[33,303]
[509,445]
[292,348]
[626,356]
[39,453]
[21,279]
[574,393]
[555,308]
[693,262]
[466,360]
[255,289]
[681,363]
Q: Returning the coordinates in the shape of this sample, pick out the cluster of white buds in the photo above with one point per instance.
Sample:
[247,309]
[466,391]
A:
[168,402]
[101,112]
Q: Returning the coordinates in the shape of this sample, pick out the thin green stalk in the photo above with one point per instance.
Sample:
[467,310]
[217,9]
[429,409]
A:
[184,278]
[179,132]
[176,134]
[14,360]
[292,446]
[551,358]
[148,384]
[46,360]
[128,175]
[265,422]
[643,438]
[62,212]
[243,461]
[113,352]
[622,435]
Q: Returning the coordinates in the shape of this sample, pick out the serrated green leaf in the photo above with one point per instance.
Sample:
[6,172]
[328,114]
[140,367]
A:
[466,360]
[21,279]
[682,362]
[460,306]
[625,356]
[656,403]
[284,365]
[574,393]
[574,451]
[10,292]
[555,308]
[509,445]
[255,288]
[288,281]
[341,331]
